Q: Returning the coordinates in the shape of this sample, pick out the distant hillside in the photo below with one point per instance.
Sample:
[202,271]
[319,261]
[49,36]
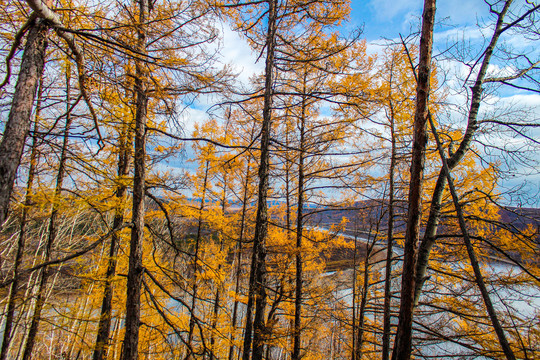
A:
[520,217]
[365,214]
[361,216]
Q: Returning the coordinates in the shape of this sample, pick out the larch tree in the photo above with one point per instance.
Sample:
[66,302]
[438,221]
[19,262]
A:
[506,15]
[272,29]
[18,124]
[130,349]
[21,240]
[402,345]
[312,139]
[237,259]
[123,154]
[397,92]
[37,25]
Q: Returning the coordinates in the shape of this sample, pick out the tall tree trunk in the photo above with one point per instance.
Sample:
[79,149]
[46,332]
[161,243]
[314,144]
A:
[363,303]
[389,244]
[104,326]
[257,283]
[52,233]
[22,234]
[387,317]
[288,210]
[196,262]
[219,283]
[135,272]
[238,271]
[354,296]
[299,233]
[402,345]
[30,295]
[19,119]
[429,238]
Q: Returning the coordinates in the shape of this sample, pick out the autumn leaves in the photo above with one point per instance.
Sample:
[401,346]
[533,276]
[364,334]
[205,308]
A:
[224,262]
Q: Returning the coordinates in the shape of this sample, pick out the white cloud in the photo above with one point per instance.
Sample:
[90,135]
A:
[529,100]
[461,34]
[375,47]
[191,116]
[389,9]
[238,54]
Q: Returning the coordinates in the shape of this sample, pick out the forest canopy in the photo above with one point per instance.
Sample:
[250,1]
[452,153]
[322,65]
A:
[269,179]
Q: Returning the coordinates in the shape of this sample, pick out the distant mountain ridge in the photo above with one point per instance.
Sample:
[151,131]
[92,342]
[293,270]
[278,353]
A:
[369,213]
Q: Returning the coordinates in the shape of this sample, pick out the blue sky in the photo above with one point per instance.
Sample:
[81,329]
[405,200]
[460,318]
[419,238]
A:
[389,18]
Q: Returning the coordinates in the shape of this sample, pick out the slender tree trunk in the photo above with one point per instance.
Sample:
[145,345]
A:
[52,233]
[19,119]
[354,296]
[363,303]
[219,284]
[196,262]
[389,241]
[215,314]
[117,347]
[299,233]
[22,234]
[239,260]
[257,285]
[79,325]
[30,294]
[136,270]
[272,313]
[104,326]
[402,345]
[429,238]
[472,256]
[288,196]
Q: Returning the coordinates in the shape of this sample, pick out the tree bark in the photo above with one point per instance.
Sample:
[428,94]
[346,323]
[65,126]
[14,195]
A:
[402,345]
[363,303]
[389,240]
[299,233]
[257,286]
[19,118]
[238,271]
[136,270]
[104,326]
[196,262]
